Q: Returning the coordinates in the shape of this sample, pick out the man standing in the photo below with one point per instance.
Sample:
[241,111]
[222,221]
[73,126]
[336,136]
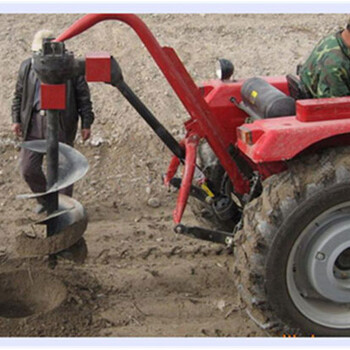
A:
[29,121]
[326,73]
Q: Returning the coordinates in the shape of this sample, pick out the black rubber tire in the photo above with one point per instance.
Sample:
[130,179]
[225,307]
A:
[215,173]
[271,225]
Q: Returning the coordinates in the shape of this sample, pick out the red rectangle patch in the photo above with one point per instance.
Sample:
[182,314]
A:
[320,109]
[98,67]
[53,96]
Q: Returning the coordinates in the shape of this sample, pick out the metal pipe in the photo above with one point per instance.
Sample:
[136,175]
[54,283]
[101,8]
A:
[151,120]
[52,172]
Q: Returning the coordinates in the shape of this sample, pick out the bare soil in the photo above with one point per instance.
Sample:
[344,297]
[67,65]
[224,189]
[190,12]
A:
[139,279]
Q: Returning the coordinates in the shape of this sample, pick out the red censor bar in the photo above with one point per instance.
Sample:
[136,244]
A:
[53,96]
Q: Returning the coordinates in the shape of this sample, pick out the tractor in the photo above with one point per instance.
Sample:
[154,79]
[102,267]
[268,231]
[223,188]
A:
[266,170]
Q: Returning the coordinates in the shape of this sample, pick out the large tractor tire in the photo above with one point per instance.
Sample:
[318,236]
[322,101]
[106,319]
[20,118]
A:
[292,257]
[217,181]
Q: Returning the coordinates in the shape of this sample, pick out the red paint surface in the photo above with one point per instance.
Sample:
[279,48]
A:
[218,95]
[98,67]
[173,166]
[323,109]
[284,138]
[53,97]
[191,144]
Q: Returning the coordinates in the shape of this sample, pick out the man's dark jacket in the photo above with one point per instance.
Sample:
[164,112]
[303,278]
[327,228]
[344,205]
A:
[78,102]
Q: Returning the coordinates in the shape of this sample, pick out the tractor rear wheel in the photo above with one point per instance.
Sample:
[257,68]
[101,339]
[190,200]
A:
[292,257]
[218,182]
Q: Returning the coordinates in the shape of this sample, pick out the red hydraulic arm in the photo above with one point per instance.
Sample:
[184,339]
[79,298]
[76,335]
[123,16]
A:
[202,120]
[173,166]
[191,144]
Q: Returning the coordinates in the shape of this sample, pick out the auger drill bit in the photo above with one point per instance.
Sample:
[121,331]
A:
[66,219]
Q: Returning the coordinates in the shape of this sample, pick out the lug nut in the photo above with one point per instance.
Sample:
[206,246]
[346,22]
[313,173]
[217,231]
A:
[320,256]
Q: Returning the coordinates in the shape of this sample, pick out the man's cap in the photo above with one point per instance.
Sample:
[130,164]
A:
[39,37]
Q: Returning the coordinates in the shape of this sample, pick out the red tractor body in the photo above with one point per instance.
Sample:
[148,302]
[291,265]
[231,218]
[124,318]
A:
[265,144]
[291,214]
[272,140]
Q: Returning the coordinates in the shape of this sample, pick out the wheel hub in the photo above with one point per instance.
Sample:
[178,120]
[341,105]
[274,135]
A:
[343,261]
[328,265]
[318,269]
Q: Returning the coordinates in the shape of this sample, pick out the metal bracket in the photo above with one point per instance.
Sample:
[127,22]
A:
[255,188]
[195,191]
[215,236]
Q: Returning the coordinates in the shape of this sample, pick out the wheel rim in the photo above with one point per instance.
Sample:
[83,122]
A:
[318,269]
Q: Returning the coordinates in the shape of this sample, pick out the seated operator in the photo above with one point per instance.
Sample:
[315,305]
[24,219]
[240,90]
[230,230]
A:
[326,73]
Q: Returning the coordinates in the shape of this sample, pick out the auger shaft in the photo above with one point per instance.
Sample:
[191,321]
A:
[52,173]
[52,162]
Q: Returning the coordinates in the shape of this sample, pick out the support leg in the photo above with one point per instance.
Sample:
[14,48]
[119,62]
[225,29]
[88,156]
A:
[191,145]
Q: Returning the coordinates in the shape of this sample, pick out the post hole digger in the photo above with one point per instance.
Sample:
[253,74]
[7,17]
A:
[66,216]
[269,172]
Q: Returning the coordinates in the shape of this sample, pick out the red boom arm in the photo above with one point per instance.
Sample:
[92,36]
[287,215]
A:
[202,123]
[202,119]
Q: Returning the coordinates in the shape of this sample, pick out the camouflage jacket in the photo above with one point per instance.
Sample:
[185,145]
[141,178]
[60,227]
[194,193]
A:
[326,73]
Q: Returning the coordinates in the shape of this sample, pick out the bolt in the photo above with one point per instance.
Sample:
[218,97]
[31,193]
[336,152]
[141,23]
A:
[179,229]
[229,241]
[320,256]
[194,137]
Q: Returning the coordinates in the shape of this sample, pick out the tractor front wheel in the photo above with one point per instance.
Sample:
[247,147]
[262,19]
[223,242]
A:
[292,257]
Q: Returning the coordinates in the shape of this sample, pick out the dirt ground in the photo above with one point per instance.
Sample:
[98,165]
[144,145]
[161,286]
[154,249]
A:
[140,279]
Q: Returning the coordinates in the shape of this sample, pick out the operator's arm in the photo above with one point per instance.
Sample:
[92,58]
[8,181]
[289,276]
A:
[84,106]
[17,101]
[333,82]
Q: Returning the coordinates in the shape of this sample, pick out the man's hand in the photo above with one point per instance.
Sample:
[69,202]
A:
[85,134]
[17,129]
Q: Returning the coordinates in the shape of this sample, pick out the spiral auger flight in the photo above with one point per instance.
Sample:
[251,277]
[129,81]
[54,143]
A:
[66,219]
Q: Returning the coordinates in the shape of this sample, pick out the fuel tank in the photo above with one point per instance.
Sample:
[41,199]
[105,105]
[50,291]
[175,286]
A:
[262,100]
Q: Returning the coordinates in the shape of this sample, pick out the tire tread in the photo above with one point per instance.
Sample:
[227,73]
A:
[263,217]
